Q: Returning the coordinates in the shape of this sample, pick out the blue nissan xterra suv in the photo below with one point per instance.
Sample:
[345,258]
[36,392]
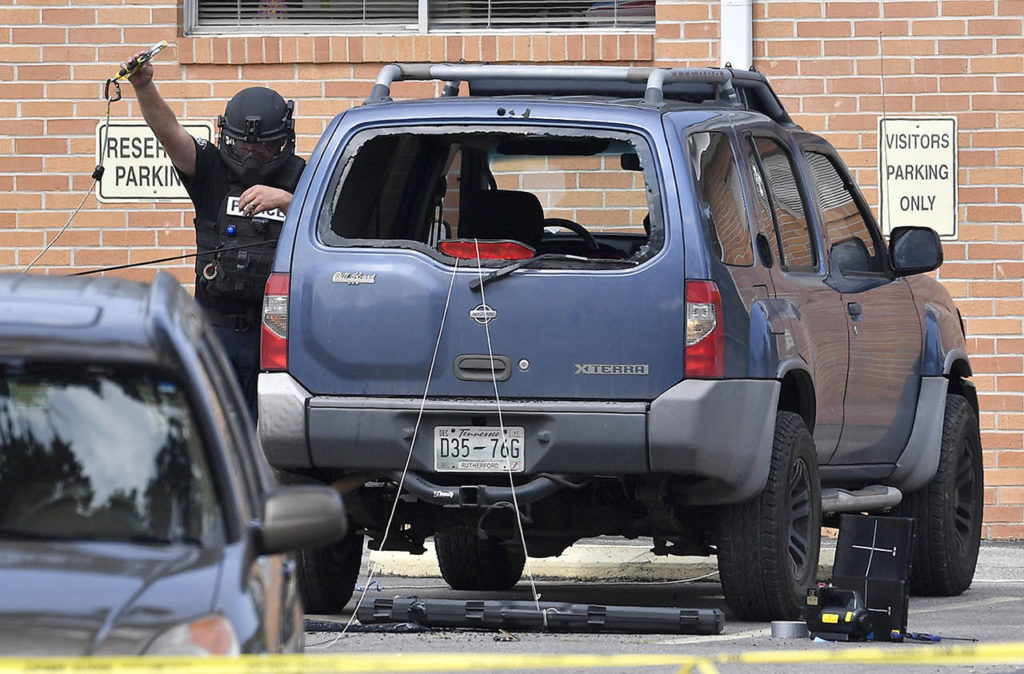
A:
[585,301]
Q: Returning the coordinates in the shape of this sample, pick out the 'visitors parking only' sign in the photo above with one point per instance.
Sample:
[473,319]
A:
[136,168]
[917,173]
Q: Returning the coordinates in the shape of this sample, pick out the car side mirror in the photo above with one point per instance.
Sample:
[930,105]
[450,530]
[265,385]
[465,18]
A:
[914,250]
[301,516]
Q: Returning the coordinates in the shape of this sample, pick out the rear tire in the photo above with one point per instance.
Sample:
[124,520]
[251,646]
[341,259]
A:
[468,563]
[947,511]
[327,575]
[768,546]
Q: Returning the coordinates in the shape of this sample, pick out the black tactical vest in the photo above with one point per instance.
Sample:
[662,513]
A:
[236,252]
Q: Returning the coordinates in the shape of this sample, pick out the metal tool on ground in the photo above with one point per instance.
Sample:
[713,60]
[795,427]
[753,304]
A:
[553,616]
[869,594]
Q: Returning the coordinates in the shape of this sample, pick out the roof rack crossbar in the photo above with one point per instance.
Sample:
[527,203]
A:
[454,74]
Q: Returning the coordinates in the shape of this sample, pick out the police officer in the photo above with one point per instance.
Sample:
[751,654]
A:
[241,190]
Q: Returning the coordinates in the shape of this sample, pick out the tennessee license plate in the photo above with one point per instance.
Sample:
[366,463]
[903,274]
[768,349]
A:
[478,449]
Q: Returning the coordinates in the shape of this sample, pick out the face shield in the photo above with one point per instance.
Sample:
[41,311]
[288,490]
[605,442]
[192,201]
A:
[240,150]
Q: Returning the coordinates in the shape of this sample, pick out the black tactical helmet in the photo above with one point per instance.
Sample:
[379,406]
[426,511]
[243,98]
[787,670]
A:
[257,134]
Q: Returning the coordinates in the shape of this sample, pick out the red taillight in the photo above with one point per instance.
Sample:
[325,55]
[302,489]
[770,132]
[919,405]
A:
[488,250]
[705,339]
[274,329]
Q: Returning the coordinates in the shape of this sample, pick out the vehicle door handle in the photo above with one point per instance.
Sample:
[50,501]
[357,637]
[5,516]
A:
[853,308]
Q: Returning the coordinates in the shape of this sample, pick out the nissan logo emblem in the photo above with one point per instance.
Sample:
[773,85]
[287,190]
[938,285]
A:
[483,314]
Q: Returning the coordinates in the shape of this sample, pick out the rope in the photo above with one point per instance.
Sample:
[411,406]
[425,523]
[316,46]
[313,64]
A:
[408,459]
[62,229]
[173,257]
[501,430]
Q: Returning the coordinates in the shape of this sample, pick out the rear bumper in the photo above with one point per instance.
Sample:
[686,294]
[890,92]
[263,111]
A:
[718,430]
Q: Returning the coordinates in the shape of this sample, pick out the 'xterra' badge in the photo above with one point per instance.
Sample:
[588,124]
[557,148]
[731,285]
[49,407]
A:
[598,368]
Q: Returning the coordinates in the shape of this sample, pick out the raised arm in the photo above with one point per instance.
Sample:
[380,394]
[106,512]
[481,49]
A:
[177,141]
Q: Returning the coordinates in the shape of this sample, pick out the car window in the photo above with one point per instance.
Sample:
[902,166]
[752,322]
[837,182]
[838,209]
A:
[102,453]
[721,197]
[227,407]
[851,244]
[774,174]
[547,189]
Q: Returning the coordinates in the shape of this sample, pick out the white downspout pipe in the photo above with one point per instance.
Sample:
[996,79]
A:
[737,34]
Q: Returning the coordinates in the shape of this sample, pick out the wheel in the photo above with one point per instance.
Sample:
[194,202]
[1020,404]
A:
[327,575]
[768,546]
[468,563]
[947,511]
[576,228]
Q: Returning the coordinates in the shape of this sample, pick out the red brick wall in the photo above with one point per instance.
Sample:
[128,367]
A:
[955,57]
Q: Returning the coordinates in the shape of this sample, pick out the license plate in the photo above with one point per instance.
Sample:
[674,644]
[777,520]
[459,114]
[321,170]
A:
[478,449]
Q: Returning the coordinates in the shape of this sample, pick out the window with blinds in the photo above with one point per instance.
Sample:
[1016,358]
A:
[290,16]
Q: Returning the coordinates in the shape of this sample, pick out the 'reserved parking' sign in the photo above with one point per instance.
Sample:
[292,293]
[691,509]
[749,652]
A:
[136,168]
[917,173]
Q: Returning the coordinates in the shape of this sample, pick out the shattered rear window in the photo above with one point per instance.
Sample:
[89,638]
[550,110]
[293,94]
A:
[586,195]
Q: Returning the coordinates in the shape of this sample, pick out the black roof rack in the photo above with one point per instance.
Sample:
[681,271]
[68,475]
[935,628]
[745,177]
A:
[735,88]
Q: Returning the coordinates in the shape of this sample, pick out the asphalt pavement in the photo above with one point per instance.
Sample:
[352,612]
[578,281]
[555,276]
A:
[625,573]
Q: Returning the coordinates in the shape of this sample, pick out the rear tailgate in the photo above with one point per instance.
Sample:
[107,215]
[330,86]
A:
[366,322]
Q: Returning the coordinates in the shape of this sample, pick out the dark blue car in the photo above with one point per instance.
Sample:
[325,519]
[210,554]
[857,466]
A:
[563,302]
[137,513]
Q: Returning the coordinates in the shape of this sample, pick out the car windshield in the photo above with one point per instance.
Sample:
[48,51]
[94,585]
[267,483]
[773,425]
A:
[101,453]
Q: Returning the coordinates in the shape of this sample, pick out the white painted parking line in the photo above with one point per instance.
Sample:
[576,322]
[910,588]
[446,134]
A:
[953,605]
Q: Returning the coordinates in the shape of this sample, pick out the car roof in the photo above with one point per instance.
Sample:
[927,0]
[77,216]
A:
[96,319]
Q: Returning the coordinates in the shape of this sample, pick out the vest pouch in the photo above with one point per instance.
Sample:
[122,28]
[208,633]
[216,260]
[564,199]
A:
[243,265]
[206,240]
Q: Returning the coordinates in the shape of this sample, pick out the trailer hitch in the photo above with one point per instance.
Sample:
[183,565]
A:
[482,495]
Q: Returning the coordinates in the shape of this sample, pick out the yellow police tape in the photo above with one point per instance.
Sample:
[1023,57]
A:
[918,654]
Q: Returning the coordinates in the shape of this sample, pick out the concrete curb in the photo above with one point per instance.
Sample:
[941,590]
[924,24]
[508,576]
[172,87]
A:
[584,561]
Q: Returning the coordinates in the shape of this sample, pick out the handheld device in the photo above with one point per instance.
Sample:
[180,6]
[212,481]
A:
[137,62]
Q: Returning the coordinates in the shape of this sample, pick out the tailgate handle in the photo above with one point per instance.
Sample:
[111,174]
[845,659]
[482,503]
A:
[477,367]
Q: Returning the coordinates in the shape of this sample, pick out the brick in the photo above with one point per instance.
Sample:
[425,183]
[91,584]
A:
[943,66]
[824,29]
[885,28]
[41,183]
[910,8]
[994,326]
[1002,26]
[853,47]
[968,46]
[851,10]
[1009,270]
[1001,532]
[1003,514]
[939,27]
[967,7]
[793,10]
[38,35]
[888,66]
[994,213]
[100,257]
[966,84]
[1009,494]
[995,402]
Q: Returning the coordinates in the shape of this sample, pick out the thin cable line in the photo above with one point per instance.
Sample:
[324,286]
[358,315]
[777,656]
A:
[62,229]
[408,459]
[501,430]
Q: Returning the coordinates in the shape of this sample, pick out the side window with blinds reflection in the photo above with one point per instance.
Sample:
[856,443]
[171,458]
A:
[721,197]
[852,248]
[775,179]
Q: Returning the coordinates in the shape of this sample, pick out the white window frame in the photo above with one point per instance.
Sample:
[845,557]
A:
[526,22]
